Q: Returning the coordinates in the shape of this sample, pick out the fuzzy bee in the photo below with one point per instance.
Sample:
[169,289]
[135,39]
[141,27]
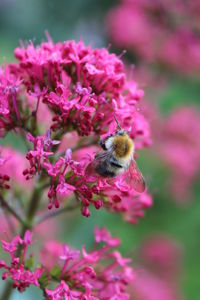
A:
[116,159]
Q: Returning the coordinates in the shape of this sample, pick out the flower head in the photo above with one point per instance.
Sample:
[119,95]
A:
[94,275]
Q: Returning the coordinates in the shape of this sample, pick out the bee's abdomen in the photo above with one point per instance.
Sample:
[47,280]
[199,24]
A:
[109,168]
[113,162]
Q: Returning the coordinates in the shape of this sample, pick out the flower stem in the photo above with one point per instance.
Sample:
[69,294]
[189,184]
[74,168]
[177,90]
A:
[11,210]
[55,213]
[8,288]
[28,224]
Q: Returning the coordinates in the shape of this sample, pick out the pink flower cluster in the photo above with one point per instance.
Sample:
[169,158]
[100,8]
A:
[17,270]
[99,274]
[82,89]
[163,32]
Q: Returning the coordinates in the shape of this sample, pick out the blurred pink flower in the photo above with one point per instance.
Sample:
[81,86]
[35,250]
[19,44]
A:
[158,273]
[162,255]
[148,286]
[50,254]
[180,149]
[13,167]
[160,32]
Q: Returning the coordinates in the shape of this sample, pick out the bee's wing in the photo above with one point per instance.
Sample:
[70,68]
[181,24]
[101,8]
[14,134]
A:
[134,177]
[91,167]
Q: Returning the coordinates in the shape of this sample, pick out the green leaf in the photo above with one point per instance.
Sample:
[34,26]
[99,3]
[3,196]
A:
[55,272]
[30,263]
[43,280]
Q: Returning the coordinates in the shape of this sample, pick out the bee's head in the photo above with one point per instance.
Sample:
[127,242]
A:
[121,132]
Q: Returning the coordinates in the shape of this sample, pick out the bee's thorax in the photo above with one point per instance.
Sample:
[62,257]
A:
[122,146]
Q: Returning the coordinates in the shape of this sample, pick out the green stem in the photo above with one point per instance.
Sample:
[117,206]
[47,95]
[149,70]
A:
[8,288]
[11,210]
[32,208]
[55,213]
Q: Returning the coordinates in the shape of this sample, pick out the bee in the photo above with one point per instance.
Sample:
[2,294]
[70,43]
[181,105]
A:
[117,159]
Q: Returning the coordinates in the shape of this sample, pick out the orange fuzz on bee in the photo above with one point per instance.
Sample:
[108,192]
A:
[122,146]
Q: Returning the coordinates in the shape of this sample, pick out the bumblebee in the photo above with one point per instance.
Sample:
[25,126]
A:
[116,159]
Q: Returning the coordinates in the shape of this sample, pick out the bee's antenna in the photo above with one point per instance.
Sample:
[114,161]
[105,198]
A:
[117,122]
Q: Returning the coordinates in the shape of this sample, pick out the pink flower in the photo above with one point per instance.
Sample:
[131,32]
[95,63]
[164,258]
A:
[50,254]
[36,156]
[64,188]
[27,238]
[69,253]
[92,257]
[48,142]
[12,246]
[94,275]
[102,235]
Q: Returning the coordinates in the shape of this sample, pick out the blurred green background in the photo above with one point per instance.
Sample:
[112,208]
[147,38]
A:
[28,20]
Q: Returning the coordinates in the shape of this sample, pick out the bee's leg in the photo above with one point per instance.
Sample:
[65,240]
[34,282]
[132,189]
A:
[102,144]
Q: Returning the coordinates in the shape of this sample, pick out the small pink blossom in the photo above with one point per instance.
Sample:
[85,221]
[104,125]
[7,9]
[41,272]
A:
[12,246]
[64,188]
[102,235]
